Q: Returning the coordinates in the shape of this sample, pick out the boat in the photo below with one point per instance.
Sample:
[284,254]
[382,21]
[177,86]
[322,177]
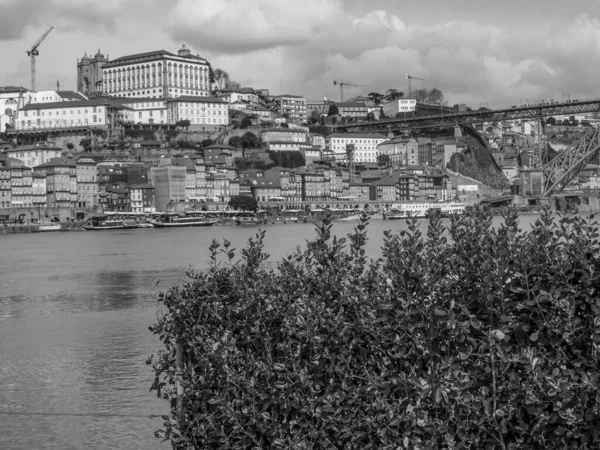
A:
[421,210]
[247,219]
[145,225]
[106,223]
[185,219]
[46,227]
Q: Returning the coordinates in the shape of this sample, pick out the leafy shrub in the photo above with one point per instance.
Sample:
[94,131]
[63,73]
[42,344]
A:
[468,337]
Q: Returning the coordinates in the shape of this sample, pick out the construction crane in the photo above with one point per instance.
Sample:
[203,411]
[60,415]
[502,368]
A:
[410,77]
[33,52]
[342,84]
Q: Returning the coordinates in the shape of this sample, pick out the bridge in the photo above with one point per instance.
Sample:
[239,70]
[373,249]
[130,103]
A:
[453,119]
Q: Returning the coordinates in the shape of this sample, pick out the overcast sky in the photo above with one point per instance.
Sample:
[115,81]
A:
[475,51]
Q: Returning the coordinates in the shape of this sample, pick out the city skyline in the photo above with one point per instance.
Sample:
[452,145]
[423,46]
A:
[497,54]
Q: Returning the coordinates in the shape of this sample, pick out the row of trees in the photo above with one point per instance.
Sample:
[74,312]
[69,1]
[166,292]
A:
[461,336]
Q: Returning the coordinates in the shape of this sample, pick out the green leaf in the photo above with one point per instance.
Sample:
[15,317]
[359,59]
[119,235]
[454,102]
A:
[534,337]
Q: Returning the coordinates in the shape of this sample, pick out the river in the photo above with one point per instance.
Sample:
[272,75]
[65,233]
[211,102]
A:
[74,315]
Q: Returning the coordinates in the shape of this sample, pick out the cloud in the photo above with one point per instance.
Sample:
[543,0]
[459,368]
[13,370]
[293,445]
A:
[68,15]
[238,26]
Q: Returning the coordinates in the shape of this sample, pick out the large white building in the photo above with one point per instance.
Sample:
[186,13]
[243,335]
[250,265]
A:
[399,105]
[94,113]
[157,74]
[200,111]
[365,145]
[147,110]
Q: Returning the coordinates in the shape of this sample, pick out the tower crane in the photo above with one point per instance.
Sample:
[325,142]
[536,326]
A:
[342,84]
[33,52]
[410,77]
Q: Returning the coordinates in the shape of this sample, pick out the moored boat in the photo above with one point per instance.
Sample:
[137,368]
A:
[175,220]
[96,223]
[421,210]
[48,227]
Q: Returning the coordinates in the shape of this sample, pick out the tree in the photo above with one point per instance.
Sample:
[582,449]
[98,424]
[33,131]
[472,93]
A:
[235,142]
[287,159]
[370,116]
[376,98]
[393,94]
[383,160]
[586,123]
[70,145]
[566,122]
[232,85]
[185,123]
[420,95]
[249,140]
[333,110]
[382,114]
[221,78]
[551,121]
[246,122]
[314,117]
[575,123]
[86,144]
[467,336]
[435,97]
[243,202]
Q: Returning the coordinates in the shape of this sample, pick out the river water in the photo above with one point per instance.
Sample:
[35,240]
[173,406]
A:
[74,315]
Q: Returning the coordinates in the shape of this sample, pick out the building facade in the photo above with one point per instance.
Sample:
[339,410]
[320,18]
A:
[399,105]
[353,110]
[401,151]
[100,113]
[142,199]
[61,182]
[169,185]
[34,155]
[89,73]
[200,111]
[365,145]
[86,169]
[292,107]
[157,74]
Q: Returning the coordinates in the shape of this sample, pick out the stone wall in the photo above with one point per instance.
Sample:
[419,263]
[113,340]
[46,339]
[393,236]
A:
[63,214]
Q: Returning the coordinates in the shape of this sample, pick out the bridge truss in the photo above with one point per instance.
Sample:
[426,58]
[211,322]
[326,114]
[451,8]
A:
[472,117]
[559,172]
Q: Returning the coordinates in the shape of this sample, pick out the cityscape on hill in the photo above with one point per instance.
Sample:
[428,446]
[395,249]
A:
[145,120]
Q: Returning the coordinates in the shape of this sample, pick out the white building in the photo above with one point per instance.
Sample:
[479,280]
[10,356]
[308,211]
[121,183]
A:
[402,105]
[157,74]
[200,111]
[91,113]
[10,99]
[365,145]
[34,155]
[147,110]
[245,95]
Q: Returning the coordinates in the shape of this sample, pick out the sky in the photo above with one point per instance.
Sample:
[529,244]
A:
[479,52]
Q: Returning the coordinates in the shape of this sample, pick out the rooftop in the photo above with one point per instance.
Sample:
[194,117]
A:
[69,104]
[149,56]
[357,136]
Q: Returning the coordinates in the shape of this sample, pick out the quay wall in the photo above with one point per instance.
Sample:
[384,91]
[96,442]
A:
[46,214]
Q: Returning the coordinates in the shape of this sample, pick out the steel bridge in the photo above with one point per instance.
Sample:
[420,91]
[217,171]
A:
[472,117]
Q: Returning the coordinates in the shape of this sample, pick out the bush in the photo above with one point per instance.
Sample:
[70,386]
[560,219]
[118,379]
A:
[472,337]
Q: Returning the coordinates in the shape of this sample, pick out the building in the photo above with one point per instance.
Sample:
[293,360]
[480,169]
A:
[86,169]
[247,96]
[443,152]
[141,198]
[61,182]
[100,113]
[399,105]
[359,191]
[383,190]
[169,185]
[89,73]
[401,150]
[11,99]
[320,106]
[38,194]
[365,145]
[292,106]
[289,146]
[311,154]
[21,183]
[157,74]
[34,155]
[425,150]
[202,112]
[353,110]
[283,135]
[147,110]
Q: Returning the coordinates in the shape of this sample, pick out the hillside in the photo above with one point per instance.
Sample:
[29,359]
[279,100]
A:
[477,161]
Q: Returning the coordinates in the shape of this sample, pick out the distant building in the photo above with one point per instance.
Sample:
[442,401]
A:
[247,96]
[147,110]
[289,146]
[202,112]
[365,145]
[399,105]
[156,74]
[353,110]
[283,135]
[38,188]
[34,155]
[61,182]
[141,197]
[89,73]
[401,150]
[101,113]
[169,185]
[87,181]
[292,106]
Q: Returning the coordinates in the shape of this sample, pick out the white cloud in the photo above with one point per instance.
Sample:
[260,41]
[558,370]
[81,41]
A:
[236,26]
